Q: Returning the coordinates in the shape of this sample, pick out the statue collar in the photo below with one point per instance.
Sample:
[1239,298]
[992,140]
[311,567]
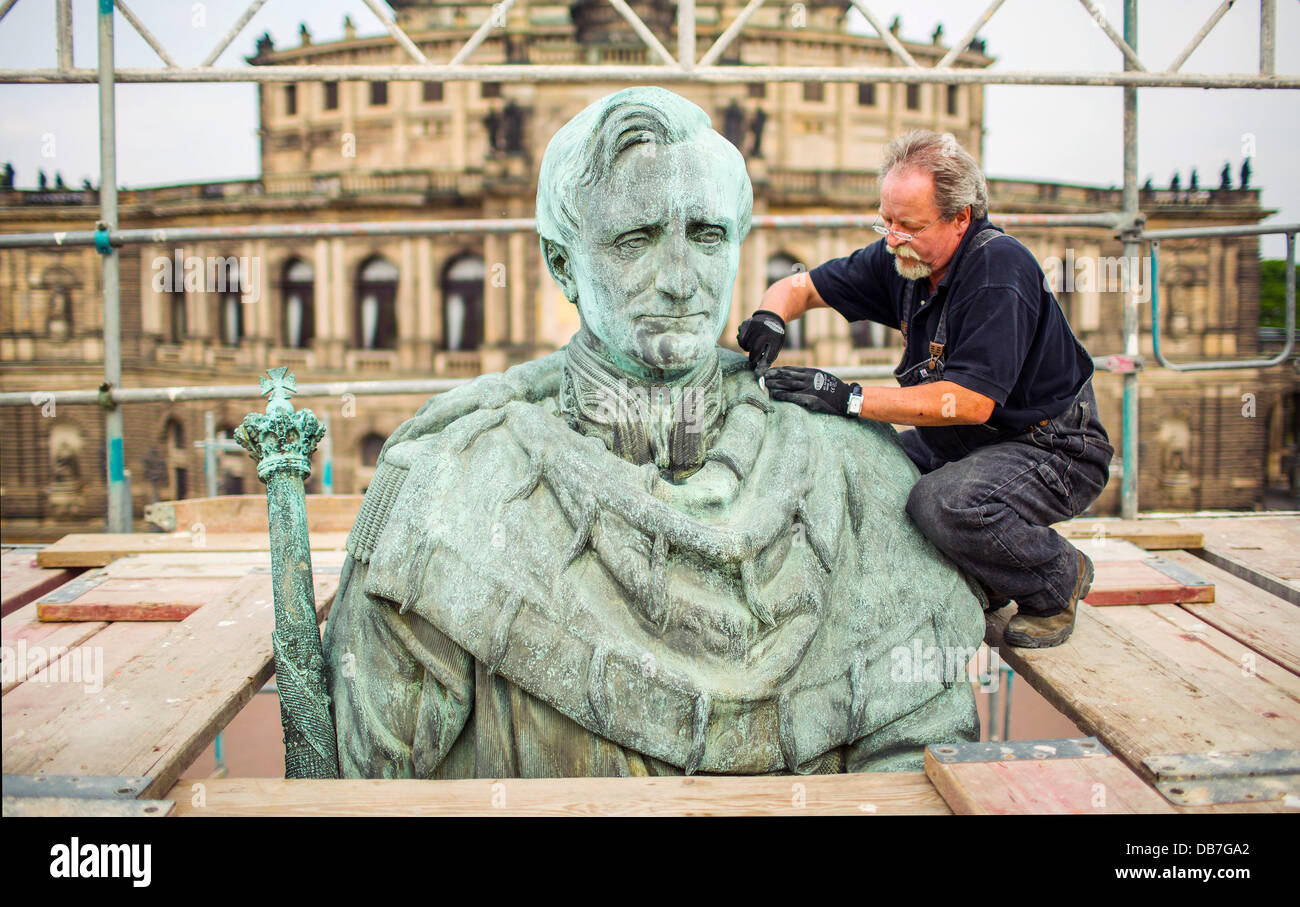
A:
[672,426]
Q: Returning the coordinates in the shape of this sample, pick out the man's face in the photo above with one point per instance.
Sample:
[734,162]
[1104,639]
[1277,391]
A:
[907,204]
[656,262]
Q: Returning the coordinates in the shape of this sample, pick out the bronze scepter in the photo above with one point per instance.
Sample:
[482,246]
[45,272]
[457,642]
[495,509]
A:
[281,442]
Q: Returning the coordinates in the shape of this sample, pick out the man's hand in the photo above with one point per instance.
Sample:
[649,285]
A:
[761,335]
[813,389]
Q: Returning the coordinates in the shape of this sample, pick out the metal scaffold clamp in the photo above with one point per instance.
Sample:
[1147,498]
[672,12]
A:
[106,396]
[102,244]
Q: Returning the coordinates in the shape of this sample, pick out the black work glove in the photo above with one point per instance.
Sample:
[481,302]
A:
[761,335]
[811,388]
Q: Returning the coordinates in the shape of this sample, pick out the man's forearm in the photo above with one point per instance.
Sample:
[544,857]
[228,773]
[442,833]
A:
[791,296]
[940,403]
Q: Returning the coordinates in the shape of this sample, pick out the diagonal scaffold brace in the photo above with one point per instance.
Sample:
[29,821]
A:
[281,442]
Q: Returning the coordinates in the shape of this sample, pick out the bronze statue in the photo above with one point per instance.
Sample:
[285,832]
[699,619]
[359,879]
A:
[623,558]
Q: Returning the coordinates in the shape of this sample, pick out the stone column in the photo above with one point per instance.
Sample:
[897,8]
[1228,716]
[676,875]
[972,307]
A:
[407,318]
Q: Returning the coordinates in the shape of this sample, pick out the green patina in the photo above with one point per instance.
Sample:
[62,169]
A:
[281,442]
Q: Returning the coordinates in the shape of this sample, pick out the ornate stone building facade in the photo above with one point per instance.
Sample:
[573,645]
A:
[369,307]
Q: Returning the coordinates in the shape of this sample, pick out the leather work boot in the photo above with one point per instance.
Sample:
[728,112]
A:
[1026,632]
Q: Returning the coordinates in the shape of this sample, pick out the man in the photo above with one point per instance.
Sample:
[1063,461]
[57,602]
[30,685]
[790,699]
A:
[1007,436]
[622,559]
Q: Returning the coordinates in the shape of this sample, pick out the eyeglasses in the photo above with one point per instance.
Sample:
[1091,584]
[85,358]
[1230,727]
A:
[902,237]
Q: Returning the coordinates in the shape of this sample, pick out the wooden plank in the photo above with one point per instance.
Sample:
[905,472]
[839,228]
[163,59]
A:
[1108,550]
[866,794]
[1263,694]
[247,513]
[137,599]
[1258,620]
[208,564]
[87,807]
[98,549]
[1139,700]
[22,580]
[1149,534]
[1134,583]
[1091,785]
[164,705]
[28,643]
[1270,544]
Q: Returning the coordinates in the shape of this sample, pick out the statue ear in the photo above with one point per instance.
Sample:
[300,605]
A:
[557,262]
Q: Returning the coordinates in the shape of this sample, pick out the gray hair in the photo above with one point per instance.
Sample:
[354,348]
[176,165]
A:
[958,180]
[582,154]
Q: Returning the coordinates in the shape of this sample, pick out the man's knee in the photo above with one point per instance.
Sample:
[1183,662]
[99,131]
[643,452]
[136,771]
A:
[939,510]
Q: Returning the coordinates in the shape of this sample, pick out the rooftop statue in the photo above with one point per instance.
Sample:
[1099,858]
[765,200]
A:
[623,558]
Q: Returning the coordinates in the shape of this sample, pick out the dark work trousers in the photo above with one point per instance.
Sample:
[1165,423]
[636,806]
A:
[991,510]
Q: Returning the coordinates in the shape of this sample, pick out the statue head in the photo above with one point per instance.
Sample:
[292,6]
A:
[641,209]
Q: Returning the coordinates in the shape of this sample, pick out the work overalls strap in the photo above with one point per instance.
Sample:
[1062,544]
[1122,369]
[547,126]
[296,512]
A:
[933,366]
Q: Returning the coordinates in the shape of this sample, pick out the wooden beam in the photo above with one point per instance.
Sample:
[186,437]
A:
[866,794]
[1149,534]
[247,513]
[98,549]
[86,807]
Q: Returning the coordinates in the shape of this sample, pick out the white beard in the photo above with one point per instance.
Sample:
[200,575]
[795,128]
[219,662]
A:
[908,267]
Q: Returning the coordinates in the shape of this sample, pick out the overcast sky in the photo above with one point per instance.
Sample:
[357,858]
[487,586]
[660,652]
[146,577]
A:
[185,133]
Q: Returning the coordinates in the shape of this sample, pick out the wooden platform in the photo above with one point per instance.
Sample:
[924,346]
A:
[1160,685]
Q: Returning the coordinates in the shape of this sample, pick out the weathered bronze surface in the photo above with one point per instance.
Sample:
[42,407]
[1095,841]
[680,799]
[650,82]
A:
[623,558]
[281,442]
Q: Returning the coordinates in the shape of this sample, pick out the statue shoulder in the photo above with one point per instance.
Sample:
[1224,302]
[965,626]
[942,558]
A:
[528,382]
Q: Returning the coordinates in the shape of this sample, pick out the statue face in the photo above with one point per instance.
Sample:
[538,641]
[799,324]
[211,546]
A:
[656,263]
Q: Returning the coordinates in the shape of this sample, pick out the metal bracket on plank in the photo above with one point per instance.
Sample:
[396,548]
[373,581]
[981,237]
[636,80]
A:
[74,588]
[1204,779]
[1018,750]
[1177,572]
[90,787]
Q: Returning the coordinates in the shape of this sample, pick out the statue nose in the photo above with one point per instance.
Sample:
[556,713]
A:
[675,274]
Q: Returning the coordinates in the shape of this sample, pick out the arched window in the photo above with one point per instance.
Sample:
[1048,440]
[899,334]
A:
[174,434]
[230,318]
[176,322]
[783,265]
[59,283]
[462,303]
[371,445]
[299,327]
[376,309]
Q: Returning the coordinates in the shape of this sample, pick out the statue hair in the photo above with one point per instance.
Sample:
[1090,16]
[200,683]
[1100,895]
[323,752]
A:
[958,180]
[583,152]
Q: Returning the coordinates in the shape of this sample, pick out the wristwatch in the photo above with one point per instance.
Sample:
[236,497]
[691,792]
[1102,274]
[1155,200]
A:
[855,400]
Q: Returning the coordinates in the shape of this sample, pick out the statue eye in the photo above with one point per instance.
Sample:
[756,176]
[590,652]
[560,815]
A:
[634,242]
[710,235]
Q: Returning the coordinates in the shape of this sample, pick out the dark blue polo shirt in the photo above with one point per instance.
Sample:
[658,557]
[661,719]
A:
[1007,336]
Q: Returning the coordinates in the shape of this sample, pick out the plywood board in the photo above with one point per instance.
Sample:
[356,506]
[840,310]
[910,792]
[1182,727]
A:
[1143,583]
[1099,784]
[98,549]
[164,704]
[867,794]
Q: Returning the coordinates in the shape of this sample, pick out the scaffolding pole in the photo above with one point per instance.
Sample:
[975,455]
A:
[1131,232]
[119,499]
